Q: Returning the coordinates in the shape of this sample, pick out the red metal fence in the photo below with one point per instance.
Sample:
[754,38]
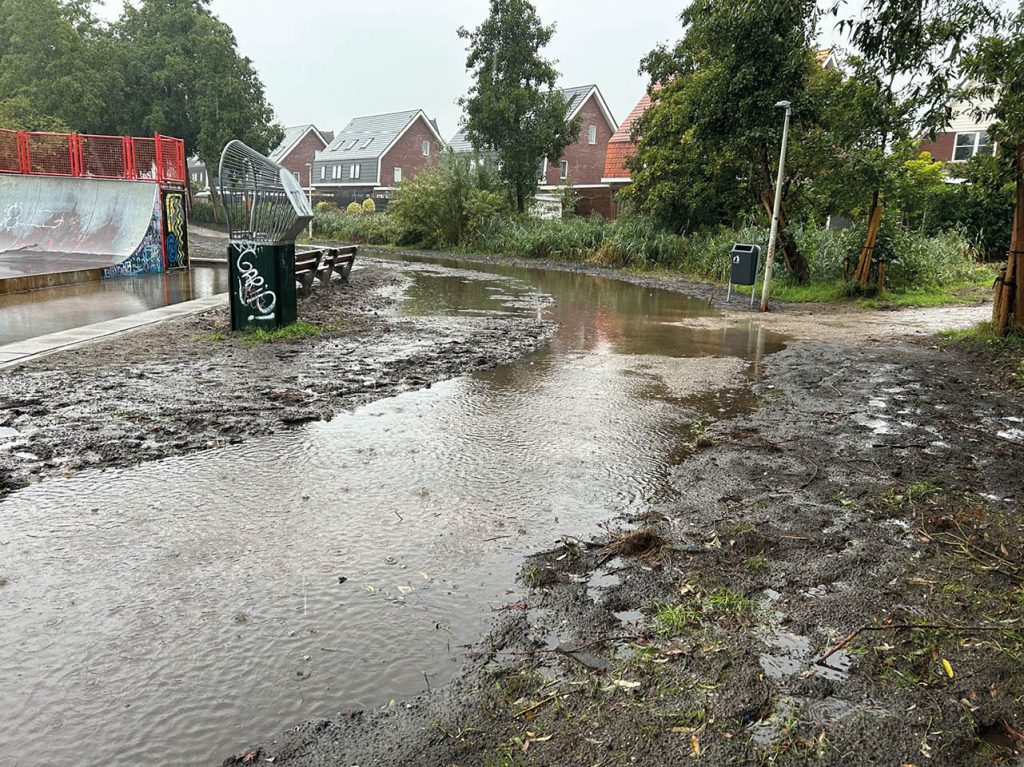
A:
[160,159]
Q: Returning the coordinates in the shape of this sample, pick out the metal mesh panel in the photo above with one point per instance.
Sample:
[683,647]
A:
[144,150]
[172,159]
[102,156]
[10,160]
[50,154]
[263,202]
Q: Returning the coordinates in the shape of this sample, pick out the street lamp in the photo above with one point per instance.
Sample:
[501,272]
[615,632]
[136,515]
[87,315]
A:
[309,170]
[775,208]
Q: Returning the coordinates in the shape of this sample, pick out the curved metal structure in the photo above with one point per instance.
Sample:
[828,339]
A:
[266,210]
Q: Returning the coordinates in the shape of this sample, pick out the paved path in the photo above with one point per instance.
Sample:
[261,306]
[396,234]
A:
[33,348]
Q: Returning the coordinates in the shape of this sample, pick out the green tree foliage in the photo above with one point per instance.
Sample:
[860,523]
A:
[58,68]
[188,79]
[512,108]
[447,205]
[708,146]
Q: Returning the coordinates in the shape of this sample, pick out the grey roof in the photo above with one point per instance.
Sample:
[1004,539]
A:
[372,135]
[291,136]
[460,143]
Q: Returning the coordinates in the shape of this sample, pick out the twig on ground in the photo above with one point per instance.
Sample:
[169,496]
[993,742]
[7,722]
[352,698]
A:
[901,627]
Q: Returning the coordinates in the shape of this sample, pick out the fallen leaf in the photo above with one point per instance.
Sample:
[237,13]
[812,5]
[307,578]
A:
[682,730]
[948,668]
[626,684]
[425,576]
[695,745]
[249,757]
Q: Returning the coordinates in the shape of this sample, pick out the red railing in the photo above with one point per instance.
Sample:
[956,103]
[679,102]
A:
[160,159]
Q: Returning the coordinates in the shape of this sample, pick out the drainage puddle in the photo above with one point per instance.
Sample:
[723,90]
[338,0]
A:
[183,608]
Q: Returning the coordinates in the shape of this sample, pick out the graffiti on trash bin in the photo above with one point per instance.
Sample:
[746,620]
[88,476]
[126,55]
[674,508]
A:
[253,292]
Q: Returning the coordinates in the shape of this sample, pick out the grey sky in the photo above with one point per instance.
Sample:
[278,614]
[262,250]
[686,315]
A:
[327,61]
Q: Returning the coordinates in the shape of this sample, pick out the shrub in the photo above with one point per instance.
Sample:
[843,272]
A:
[354,208]
[342,226]
[202,212]
[326,205]
[447,205]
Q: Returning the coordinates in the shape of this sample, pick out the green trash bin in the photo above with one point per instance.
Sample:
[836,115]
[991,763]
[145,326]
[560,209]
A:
[266,209]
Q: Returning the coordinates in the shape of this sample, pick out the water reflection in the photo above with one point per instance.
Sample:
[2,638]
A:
[192,605]
[36,313]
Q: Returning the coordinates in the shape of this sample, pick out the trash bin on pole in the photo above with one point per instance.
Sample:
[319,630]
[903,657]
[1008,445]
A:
[265,209]
[743,269]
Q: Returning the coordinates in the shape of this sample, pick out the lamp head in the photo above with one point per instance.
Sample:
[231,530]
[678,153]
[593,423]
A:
[782,104]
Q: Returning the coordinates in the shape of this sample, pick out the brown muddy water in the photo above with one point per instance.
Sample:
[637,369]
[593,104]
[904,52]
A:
[175,611]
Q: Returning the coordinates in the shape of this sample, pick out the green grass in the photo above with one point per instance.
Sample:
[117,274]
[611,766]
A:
[216,335]
[295,331]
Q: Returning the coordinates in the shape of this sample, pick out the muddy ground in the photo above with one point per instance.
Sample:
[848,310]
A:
[191,384]
[839,581]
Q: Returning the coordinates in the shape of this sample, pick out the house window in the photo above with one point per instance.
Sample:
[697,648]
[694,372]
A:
[353,171]
[352,144]
[323,172]
[970,144]
[366,143]
[398,175]
[564,172]
[592,134]
[335,172]
[426,149]
[296,174]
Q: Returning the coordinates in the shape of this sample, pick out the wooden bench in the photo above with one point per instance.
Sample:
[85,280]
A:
[306,267]
[337,261]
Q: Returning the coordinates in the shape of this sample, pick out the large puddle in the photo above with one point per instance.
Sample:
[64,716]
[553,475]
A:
[28,315]
[181,609]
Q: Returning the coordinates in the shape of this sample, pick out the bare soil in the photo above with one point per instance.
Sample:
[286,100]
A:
[838,581]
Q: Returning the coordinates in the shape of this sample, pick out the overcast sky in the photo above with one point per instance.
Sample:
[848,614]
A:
[327,61]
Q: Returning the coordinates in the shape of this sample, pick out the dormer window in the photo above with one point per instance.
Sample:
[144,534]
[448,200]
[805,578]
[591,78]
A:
[366,143]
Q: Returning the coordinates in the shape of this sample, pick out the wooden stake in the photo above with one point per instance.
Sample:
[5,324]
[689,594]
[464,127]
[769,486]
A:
[863,272]
[1009,297]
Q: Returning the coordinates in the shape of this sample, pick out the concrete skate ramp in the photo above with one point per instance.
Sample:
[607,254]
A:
[58,224]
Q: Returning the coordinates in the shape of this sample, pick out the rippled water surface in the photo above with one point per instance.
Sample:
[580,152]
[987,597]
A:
[176,611]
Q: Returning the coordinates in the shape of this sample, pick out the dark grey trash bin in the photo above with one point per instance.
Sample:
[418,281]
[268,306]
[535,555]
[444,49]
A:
[743,270]
[744,264]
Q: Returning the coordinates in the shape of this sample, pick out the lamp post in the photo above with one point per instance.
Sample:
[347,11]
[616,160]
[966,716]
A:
[765,289]
[309,170]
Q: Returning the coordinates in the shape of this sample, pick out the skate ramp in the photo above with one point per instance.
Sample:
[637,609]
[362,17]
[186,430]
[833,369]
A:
[53,225]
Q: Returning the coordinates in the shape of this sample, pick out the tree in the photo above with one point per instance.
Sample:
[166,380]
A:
[58,68]
[910,54]
[996,69]
[512,108]
[707,147]
[187,79]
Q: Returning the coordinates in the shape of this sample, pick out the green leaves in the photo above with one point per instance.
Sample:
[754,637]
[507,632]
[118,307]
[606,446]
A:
[512,108]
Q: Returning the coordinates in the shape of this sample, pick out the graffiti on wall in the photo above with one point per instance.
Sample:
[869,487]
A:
[253,291]
[175,230]
[148,257]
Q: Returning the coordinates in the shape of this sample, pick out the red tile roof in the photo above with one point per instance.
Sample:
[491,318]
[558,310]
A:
[620,148]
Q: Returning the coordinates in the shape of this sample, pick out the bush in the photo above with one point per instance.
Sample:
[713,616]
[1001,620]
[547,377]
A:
[354,208]
[342,226]
[201,212]
[369,206]
[326,205]
[447,205]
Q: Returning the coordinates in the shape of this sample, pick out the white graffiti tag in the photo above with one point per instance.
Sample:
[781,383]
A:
[252,288]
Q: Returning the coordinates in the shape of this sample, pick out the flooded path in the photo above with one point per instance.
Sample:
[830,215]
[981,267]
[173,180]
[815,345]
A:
[39,312]
[179,609]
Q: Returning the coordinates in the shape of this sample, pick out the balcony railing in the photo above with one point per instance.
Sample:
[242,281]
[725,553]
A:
[160,159]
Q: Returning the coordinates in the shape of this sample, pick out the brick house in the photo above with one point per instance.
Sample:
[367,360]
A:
[621,148]
[373,154]
[298,148]
[582,164]
[964,137]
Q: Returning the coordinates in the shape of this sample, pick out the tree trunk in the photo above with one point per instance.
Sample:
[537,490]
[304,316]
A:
[1008,302]
[867,253]
[791,255]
